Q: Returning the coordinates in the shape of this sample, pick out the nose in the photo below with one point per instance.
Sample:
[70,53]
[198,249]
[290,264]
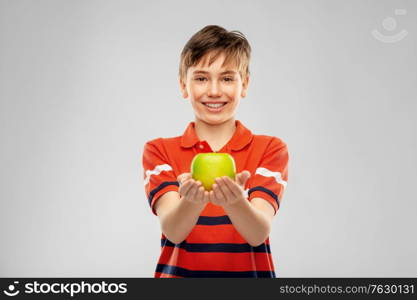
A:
[214,89]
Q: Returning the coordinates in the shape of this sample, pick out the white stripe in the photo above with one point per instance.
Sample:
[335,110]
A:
[268,173]
[158,169]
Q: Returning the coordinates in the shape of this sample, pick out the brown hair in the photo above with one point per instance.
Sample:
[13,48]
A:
[217,39]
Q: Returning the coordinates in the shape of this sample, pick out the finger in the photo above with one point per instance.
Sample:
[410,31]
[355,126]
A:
[185,187]
[215,195]
[183,177]
[188,181]
[200,196]
[193,191]
[232,187]
[206,196]
[243,177]
[246,177]
[237,178]
[218,190]
[225,189]
[179,177]
[190,184]
[196,188]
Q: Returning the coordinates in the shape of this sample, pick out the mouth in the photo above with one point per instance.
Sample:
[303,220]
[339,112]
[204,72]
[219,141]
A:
[214,106]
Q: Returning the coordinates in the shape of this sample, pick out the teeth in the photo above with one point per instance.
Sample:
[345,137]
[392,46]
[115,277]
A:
[215,105]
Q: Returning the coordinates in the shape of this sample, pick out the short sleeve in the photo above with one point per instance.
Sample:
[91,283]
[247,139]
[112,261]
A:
[158,174]
[270,178]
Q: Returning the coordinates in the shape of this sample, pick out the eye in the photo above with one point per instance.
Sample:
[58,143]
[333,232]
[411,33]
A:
[200,78]
[228,79]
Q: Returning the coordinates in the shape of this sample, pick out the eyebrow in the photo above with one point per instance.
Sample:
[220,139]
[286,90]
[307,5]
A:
[222,73]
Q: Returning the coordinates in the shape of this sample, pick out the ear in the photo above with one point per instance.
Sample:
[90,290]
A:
[245,84]
[183,88]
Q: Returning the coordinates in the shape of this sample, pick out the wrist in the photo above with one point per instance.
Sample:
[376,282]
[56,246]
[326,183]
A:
[193,205]
[236,206]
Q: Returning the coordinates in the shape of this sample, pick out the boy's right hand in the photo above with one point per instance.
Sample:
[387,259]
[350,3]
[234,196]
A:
[191,190]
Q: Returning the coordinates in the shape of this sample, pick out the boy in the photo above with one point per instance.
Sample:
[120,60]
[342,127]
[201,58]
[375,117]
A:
[224,232]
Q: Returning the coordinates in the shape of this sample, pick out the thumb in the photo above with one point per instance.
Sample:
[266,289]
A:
[243,177]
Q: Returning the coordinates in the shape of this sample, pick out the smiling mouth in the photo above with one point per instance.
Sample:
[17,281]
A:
[214,105]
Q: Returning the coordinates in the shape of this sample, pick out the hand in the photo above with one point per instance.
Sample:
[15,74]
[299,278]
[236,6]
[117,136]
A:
[191,190]
[228,192]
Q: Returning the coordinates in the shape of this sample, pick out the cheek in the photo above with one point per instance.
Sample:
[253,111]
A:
[196,105]
[232,90]
[197,91]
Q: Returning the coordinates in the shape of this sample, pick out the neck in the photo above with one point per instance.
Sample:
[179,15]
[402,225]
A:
[216,135]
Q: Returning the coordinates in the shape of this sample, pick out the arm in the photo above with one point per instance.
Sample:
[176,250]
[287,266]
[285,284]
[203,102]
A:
[173,199]
[178,212]
[177,217]
[251,219]
[266,188]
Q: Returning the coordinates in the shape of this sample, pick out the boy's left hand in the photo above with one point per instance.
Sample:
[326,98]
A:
[226,191]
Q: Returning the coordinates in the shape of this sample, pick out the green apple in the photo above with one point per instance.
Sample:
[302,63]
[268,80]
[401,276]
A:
[206,167]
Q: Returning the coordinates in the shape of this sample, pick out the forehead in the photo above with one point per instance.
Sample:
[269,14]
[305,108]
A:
[218,64]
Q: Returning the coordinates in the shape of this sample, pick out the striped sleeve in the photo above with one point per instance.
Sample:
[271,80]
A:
[158,174]
[270,178]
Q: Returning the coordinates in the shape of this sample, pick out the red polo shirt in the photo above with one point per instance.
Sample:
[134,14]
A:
[214,248]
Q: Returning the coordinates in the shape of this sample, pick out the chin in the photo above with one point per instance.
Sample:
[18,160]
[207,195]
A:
[215,121]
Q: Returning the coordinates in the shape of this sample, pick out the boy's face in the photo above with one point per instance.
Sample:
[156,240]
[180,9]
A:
[215,86]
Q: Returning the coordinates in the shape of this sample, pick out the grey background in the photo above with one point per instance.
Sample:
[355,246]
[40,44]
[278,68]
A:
[84,84]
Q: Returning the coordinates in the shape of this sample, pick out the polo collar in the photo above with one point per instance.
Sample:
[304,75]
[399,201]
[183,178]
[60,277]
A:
[241,137]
